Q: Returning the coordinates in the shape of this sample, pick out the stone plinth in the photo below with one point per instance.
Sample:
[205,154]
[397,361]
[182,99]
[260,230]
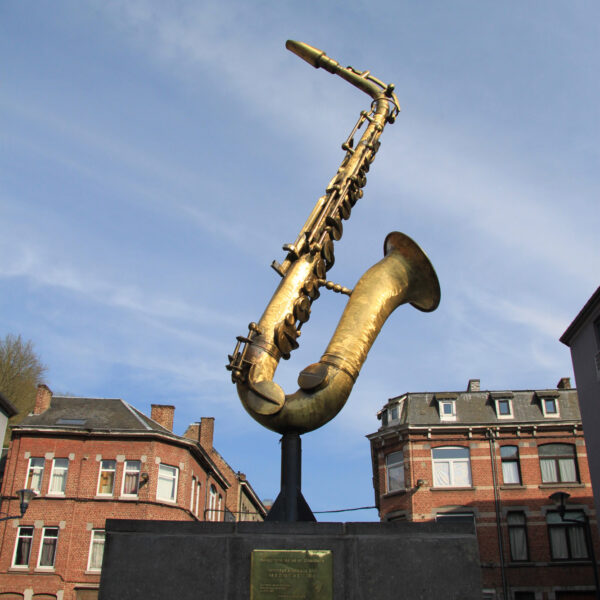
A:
[156,560]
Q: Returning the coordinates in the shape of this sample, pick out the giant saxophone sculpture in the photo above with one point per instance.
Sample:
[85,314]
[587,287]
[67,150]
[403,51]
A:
[404,275]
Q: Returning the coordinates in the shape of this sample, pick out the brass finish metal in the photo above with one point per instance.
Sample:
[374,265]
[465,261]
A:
[404,275]
[287,574]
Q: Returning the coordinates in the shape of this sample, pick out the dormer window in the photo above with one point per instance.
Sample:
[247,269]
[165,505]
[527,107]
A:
[447,410]
[504,409]
[550,407]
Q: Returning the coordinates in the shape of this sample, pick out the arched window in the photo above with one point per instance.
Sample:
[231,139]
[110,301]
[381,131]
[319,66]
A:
[220,509]
[212,502]
[451,466]
[557,463]
[394,469]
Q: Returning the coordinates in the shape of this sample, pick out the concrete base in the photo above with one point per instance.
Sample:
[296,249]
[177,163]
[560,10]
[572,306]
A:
[154,560]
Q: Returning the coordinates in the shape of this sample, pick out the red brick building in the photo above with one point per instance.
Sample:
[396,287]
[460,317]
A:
[93,459]
[495,457]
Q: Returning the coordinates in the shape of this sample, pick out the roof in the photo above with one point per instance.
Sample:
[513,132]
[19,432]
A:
[580,319]
[478,408]
[92,414]
[7,407]
[105,415]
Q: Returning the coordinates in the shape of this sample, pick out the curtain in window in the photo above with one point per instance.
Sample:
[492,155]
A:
[577,542]
[59,475]
[548,468]
[131,483]
[566,467]
[396,478]
[462,474]
[441,474]
[517,535]
[166,488]
[510,472]
[558,542]
[97,550]
[24,545]
[48,549]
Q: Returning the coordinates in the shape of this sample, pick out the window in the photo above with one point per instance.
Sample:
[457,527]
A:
[23,547]
[394,468]
[517,535]
[509,456]
[58,478]
[394,413]
[106,481]
[48,547]
[384,418]
[568,540]
[456,517]
[193,494]
[447,410]
[219,508]
[557,463]
[550,407]
[451,467]
[197,498]
[96,550]
[167,483]
[35,473]
[131,478]
[504,408]
[212,500]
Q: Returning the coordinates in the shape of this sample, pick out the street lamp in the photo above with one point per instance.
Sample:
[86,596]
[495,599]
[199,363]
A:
[560,499]
[25,497]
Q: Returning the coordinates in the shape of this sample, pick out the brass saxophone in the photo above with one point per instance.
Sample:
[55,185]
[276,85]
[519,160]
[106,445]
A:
[403,275]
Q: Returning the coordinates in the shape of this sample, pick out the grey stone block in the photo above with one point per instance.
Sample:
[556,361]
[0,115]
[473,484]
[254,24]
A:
[153,560]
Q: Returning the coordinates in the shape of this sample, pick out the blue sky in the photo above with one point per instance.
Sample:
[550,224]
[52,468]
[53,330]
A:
[156,155]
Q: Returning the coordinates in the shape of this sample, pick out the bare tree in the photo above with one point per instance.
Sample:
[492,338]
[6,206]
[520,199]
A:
[20,372]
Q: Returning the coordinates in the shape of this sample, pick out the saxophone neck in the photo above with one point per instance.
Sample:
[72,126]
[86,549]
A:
[382,93]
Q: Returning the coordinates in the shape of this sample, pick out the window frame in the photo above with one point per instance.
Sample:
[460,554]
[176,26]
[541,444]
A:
[102,470]
[451,416]
[126,471]
[521,527]
[92,542]
[45,537]
[28,477]
[212,501]
[550,415]
[19,538]
[451,467]
[53,472]
[567,526]
[397,464]
[507,460]
[510,413]
[556,461]
[193,494]
[174,479]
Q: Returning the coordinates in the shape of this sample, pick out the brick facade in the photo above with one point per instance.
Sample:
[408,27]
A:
[513,568]
[147,473]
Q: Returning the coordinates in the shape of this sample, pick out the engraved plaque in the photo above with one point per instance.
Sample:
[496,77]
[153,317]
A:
[291,575]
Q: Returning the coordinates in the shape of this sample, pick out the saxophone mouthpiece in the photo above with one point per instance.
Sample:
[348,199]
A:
[313,56]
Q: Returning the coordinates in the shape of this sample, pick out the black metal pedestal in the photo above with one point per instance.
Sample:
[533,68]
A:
[290,506]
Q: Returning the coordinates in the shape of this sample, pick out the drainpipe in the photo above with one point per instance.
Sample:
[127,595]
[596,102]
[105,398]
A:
[490,435]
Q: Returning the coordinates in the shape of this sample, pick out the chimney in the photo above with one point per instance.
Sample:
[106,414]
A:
[564,383]
[163,414]
[207,428]
[42,399]
[193,432]
[474,385]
